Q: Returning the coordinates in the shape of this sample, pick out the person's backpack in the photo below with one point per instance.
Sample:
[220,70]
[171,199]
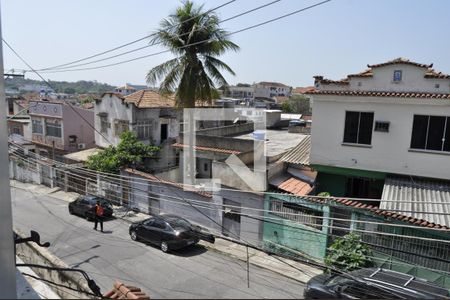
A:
[99,210]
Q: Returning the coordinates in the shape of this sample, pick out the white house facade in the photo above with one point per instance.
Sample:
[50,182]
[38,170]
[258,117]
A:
[393,118]
[150,115]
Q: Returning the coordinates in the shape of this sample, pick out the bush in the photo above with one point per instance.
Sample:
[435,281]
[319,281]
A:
[348,253]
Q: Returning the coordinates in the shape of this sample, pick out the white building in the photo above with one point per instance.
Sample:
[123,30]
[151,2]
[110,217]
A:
[150,115]
[271,89]
[128,89]
[392,119]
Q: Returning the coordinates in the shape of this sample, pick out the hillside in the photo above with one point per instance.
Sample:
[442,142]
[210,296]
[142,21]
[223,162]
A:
[79,87]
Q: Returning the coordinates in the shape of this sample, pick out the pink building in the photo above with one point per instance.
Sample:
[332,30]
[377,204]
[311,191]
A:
[58,129]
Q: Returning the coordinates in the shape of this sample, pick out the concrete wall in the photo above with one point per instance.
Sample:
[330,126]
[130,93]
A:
[230,178]
[30,253]
[306,239]
[390,151]
[82,127]
[227,130]
[115,109]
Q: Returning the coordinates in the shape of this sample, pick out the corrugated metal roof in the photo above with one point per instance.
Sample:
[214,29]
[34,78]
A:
[416,197]
[300,153]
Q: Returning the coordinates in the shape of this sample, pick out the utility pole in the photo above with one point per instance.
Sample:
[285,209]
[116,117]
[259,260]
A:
[7,257]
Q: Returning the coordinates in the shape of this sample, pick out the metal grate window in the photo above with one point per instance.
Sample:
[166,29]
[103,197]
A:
[297,213]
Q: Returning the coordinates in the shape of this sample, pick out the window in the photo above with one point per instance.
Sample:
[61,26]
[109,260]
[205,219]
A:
[144,129]
[381,126]
[36,126]
[104,125]
[431,133]
[296,213]
[205,167]
[436,85]
[53,129]
[120,126]
[397,76]
[10,107]
[358,127]
[17,130]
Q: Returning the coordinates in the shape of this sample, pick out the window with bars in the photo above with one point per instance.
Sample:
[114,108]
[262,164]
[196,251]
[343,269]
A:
[358,127]
[52,129]
[120,126]
[144,129]
[431,133]
[104,124]
[36,126]
[297,213]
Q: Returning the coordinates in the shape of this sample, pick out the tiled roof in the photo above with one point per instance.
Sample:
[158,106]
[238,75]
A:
[122,291]
[400,60]
[209,149]
[422,195]
[295,186]
[149,99]
[433,74]
[366,73]
[383,94]
[320,79]
[302,90]
[378,211]
[154,178]
[300,153]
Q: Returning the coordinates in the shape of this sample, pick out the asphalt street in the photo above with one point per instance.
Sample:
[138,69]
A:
[195,272]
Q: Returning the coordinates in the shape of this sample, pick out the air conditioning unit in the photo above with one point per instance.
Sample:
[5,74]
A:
[81,146]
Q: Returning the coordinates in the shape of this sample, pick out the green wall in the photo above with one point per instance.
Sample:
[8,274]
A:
[308,240]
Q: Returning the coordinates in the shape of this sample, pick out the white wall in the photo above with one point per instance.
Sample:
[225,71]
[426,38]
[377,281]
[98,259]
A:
[115,109]
[389,151]
[412,80]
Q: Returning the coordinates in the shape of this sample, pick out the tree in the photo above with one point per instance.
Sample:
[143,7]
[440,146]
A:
[69,90]
[129,153]
[299,104]
[348,253]
[196,39]
[286,107]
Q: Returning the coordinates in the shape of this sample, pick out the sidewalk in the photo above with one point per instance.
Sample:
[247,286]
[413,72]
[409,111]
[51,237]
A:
[292,269]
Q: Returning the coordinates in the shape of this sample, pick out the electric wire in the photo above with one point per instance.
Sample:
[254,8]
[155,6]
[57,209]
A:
[48,70]
[196,43]
[134,41]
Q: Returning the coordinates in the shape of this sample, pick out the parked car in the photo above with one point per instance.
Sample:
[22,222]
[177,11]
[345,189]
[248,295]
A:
[299,122]
[372,283]
[84,206]
[169,232]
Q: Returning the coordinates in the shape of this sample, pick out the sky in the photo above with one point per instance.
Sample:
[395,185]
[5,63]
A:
[335,39]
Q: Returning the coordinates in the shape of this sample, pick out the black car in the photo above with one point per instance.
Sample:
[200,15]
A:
[169,232]
[372,283]
[84,206]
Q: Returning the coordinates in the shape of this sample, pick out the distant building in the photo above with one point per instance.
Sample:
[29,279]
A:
[18,117]
[271,89]
[239,92]
[128,89]
[58,129]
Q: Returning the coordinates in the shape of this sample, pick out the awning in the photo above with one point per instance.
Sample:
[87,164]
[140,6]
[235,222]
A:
[420,198]
[291,185]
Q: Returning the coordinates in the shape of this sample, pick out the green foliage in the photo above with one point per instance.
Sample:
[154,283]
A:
[79,87]
[195,71]
[130,152]
[324,194]
[286,107]
[299,104]
[348,253]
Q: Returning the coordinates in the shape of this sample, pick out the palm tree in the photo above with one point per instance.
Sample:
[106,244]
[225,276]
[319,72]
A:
[196,39]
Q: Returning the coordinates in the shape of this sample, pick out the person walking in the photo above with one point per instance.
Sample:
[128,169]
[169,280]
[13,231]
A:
[98,212]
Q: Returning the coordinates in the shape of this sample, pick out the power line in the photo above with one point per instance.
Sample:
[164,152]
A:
[135,41]
[196,43]
[43,79]
[145,192]
[46,70]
